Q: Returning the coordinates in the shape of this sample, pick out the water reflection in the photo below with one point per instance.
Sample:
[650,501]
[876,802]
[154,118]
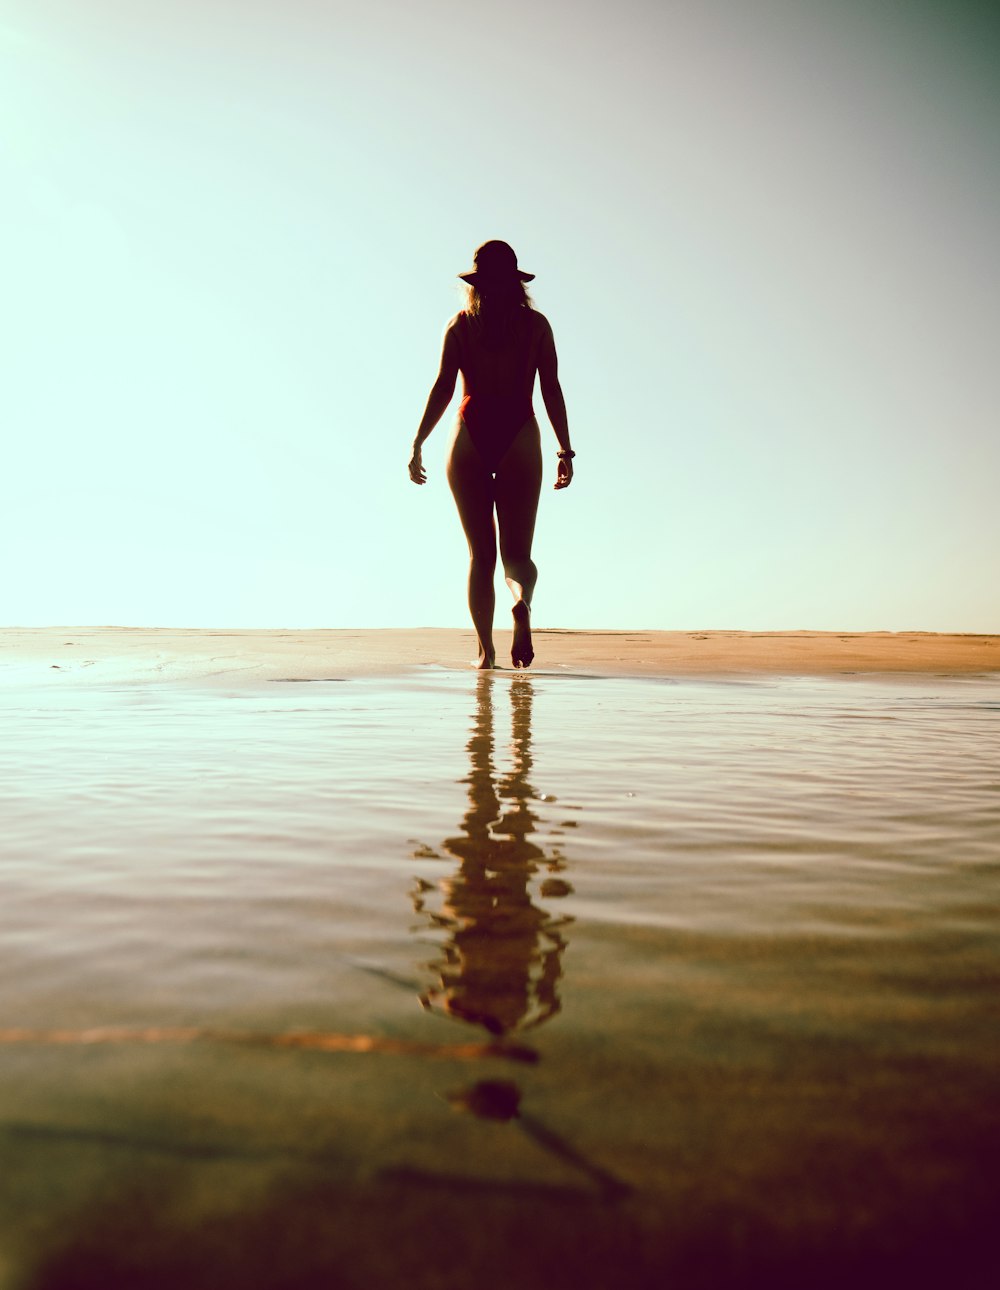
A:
[501,960]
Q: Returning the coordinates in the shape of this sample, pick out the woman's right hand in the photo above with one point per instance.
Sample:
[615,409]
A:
[564,474]
[416,468]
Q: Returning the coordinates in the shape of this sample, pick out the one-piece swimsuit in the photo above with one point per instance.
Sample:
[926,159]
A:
[498,383]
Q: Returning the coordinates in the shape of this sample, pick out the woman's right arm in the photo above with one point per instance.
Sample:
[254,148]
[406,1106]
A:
[437,401]
[555,404]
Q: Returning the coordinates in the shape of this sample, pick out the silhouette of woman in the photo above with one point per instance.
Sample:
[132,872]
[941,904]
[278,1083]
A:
[500,963]
[494,464]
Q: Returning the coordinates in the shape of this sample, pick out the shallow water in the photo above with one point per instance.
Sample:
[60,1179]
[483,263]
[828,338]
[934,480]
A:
[656,948]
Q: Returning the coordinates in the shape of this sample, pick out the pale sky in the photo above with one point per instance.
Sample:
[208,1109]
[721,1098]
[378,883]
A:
[764,232]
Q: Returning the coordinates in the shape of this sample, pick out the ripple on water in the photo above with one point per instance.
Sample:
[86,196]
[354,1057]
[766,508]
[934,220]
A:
[149,830]
[735,940]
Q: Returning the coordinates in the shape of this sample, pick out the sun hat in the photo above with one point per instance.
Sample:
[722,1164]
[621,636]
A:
[494,260]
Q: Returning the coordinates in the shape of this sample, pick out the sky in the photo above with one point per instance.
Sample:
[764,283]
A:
[764,233]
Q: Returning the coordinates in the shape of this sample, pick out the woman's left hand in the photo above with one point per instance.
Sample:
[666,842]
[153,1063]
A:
[416,468]
[564,474]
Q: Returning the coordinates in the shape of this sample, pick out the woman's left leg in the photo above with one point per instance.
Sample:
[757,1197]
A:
[472,487]
[518,486]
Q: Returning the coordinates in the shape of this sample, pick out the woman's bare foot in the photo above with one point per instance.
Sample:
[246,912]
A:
[521,652]
[485,662]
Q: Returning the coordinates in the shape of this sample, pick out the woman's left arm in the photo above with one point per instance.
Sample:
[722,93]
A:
[437,401]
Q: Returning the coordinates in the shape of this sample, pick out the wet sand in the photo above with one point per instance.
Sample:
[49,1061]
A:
[156,653]
[413,976]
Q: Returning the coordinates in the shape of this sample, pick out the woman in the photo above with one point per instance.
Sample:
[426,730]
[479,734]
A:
[494,461]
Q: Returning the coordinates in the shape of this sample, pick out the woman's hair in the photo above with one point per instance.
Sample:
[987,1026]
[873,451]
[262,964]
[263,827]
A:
[513,295]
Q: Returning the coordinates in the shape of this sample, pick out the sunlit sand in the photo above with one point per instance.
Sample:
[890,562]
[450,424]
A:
[147,654]
[333,962]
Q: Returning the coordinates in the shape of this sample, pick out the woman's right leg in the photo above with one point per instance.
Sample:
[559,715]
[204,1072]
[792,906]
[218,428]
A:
[472,487]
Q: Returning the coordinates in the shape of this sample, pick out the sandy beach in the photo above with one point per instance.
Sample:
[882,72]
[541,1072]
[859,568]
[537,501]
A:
[158,653]
[673,961]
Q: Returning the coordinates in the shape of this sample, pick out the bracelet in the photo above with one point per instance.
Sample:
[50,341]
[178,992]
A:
[566,453]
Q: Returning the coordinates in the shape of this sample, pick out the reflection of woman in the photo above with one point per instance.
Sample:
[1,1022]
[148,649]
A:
[501,961]
[498,343]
